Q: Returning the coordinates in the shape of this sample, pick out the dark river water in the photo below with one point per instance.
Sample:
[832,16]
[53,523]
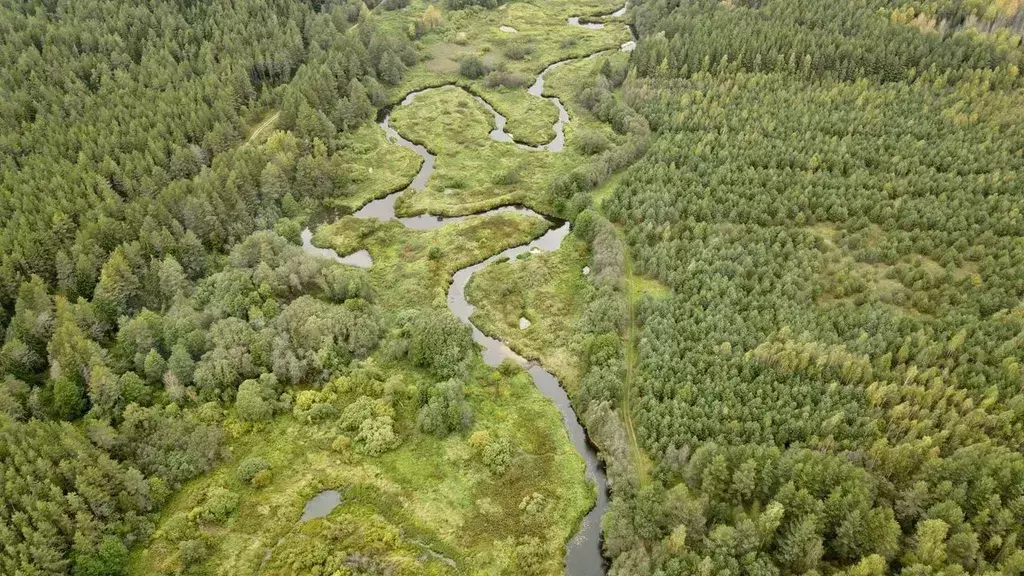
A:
[583,551]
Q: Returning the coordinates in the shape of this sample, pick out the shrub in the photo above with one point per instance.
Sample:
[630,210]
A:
[378,435]
[440,343]
[341,444]
[250,467]
[356,413]
[255,399]
[535,504]
[322,412]
[261,479]
[509,177]
[193,552]
[507,79]
[220,503]
[446,409]
[472,67]
[480,439]
[178,527]
[498,455]
[518,50]
[592,142]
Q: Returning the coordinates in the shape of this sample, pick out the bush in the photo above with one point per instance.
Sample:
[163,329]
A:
[480,439]
[341,444]
[110,558]
[359,411]
[440,343]
[518,50]
[261,479]
[592,142]
[498,454]
[321,412]
[255,399]
[193,552]
[220,503]
[446,409]
[509,177]
[472,67]
[250,467]
[507,79]
[178,527]
[289,228]
[378,435]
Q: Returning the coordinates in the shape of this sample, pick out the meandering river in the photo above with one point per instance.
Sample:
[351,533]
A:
[583,551]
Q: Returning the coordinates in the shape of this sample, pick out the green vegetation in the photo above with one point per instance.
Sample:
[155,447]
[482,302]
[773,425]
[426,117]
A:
[798,345]
[151,294]
[549,290]
[440,494]
[373,167]
[473,173]
[413,268]
[509,62]
[542,36]
[831,384]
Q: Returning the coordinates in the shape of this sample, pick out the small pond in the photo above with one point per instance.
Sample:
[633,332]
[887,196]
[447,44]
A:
[321,505]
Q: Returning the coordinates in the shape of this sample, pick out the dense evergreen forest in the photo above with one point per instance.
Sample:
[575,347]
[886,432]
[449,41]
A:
[834,198]
[829,196]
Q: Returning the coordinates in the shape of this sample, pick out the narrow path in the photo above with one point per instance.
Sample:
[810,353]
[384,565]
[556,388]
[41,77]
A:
[263,126]
[639,458]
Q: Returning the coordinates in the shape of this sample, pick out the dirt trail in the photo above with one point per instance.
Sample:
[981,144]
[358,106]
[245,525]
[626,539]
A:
[263,126]
[640,459]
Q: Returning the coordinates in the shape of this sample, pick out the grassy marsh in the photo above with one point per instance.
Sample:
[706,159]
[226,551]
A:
[374,166]
[412,268]
[430,493]
[473,173]
[548,289]
[542,37]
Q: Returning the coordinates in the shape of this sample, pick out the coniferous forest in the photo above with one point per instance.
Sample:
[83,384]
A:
[789,314]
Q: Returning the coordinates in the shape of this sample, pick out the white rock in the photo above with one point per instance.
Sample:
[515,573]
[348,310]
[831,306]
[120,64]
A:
[523,323]
[508,29]
[586,270]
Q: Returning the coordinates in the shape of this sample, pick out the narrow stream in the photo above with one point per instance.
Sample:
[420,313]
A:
[360,258]
[583,551]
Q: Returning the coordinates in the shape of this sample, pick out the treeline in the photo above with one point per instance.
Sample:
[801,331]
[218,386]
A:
[833,386]
[597,94]
[603,376]
[843,40]
[985,15]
